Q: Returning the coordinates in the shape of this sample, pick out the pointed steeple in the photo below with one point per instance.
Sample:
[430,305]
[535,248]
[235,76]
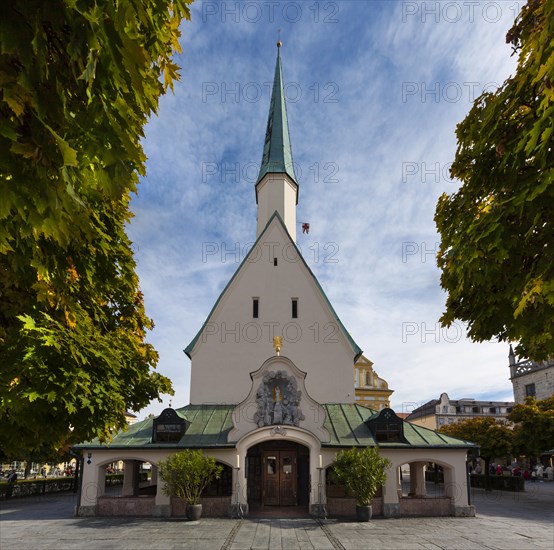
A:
[276,188]
[512,356]
[277,156]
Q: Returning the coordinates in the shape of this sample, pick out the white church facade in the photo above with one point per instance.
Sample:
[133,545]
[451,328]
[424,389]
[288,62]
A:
[284,403]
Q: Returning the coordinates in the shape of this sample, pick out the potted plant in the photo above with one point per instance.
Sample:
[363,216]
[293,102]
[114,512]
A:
[362,472]
[186,475]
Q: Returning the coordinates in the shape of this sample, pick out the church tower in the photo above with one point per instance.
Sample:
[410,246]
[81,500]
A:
[276,188]
[273,294]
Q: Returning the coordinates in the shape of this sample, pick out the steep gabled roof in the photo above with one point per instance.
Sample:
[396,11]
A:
[356,349]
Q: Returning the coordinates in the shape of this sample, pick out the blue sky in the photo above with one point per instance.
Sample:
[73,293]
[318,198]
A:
[375,90]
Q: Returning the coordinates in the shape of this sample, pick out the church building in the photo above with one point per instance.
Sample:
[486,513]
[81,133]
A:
[284,403]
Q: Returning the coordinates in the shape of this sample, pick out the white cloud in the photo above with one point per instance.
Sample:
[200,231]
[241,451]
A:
[382,144]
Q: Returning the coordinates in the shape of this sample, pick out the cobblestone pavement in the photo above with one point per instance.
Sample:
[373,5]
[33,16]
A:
[505,521]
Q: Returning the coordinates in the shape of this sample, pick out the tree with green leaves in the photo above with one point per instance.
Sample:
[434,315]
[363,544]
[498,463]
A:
[534,426]
[496,252]
[78,82]
[494,438]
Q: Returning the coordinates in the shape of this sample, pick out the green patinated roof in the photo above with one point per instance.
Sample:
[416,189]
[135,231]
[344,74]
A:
[277,156]
[208,426]
[418,436]
[345,424]
[357,350]
[347,427]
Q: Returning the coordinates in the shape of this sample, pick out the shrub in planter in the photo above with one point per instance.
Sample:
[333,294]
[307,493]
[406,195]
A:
[363,472]
[186,474]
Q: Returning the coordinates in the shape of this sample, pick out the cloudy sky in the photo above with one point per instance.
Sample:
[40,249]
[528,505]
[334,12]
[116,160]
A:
[375,90]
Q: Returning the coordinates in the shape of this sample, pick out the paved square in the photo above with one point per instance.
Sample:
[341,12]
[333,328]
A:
[505,521]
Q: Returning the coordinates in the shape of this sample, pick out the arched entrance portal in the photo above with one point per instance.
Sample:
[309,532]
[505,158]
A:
[278,474]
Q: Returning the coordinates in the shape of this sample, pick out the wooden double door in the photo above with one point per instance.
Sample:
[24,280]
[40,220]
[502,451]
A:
[279,478]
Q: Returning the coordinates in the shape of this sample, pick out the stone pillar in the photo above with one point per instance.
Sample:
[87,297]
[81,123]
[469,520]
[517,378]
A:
[391,504]
[455,487]
[417,479]
[162,503]
[449,484]
[130,478]
[93,483]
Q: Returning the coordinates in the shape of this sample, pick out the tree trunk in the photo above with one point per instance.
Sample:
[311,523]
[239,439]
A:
[28,465]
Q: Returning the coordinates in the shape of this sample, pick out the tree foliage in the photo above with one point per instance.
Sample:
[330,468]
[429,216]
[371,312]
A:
[494,438]
[187,473]
[496,252]
[534,426]
[78,81]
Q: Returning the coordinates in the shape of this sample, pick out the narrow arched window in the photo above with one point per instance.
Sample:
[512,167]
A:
[295,308]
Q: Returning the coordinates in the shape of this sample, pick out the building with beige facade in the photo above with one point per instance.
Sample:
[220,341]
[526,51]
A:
[443,411]
[284,403]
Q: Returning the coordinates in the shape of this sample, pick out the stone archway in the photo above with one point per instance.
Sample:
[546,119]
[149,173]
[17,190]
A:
[292,443]
[453,463]
[278,474]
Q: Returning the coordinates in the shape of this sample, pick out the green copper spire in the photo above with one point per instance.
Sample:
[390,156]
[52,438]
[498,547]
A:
[277,157]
